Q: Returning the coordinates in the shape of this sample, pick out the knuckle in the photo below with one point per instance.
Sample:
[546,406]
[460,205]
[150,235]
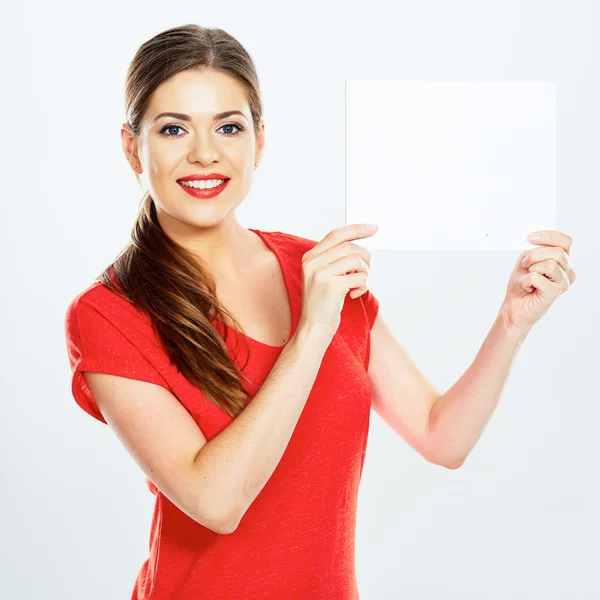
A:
[320,277]
[559,253]
[365,264]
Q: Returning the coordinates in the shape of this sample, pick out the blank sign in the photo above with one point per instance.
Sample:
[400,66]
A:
[451,165]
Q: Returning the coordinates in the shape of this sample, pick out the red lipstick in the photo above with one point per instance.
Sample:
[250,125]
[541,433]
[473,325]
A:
[204,193]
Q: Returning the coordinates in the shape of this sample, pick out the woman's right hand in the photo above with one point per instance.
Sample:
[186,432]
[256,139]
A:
[331,269]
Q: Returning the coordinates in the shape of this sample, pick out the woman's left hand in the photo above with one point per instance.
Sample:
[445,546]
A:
[540,277]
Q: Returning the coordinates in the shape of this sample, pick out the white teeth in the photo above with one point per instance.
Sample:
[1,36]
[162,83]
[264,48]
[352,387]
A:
[202,184]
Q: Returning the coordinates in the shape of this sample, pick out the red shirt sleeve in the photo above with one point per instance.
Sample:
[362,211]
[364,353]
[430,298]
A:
[94,343]
[371,305]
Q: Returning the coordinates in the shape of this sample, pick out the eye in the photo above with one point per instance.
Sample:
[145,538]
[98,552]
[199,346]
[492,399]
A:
[240,128]
[171,126]
[167,127]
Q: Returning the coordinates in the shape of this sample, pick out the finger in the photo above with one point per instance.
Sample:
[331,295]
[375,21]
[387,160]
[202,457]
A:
[551,237]
[359,291]
[339,252]
[553,271]
[545,253]
[534,280]
[362,252]
[342,234]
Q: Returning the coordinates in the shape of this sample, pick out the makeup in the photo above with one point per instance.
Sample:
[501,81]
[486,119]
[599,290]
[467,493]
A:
[204,192]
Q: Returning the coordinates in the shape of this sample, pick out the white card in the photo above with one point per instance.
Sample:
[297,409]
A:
[450,165]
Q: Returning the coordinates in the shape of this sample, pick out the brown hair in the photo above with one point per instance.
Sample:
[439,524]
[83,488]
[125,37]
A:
[161,278]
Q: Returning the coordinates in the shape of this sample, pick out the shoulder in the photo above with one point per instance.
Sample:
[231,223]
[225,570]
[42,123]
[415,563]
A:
[105,333]
[98,304]
[104,325]
[291,242]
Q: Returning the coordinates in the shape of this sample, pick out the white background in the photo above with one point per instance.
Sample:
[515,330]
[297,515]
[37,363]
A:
[520,519]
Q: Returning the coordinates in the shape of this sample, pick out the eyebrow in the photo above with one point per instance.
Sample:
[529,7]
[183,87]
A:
[184,117]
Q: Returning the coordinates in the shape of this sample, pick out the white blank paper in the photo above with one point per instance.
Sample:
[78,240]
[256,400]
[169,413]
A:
[451,165]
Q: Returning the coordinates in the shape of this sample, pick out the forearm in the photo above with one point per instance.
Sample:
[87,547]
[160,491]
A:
[241,459]
[459,416]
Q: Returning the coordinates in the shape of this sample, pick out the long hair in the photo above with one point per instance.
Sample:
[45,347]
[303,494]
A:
[170,284]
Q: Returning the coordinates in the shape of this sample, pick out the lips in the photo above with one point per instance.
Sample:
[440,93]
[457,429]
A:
[204,193]
[198,176]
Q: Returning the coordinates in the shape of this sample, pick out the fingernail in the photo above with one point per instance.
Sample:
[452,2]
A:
[372,227]
[534,236]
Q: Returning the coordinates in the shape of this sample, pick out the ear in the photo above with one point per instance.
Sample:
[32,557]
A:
[129,143]
[260,142]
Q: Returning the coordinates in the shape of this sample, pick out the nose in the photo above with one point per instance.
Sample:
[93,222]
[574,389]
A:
[204,149]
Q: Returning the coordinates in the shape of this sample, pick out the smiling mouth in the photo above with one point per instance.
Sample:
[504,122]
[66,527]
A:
[208,192]
[186,183]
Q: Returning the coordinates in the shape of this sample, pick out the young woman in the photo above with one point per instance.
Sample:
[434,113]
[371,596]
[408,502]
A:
[254,450]
[238,367]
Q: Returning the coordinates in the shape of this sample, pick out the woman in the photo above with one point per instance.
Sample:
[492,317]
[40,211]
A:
[255,457]
[254,499]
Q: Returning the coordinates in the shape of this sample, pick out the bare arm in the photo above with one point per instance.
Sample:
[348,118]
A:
[458,417]
[443,428]
[212,482]
[241,459]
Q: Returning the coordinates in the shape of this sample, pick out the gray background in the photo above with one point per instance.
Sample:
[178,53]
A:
[520,518]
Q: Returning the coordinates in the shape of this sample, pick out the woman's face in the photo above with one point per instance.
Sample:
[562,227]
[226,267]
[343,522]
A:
[173,147]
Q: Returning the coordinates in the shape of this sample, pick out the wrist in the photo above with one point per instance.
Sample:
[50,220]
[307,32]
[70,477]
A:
[510,329]
[310,336]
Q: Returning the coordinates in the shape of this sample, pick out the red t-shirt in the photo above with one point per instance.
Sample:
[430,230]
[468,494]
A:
[296,540]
